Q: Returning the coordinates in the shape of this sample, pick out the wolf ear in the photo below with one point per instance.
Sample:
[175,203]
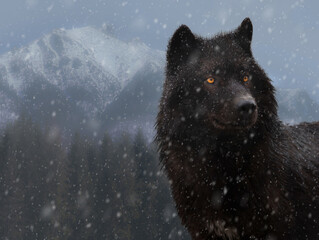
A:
[181,45]
[244,34]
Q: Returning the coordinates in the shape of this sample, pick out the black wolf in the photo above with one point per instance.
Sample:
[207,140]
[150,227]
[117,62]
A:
[236,171]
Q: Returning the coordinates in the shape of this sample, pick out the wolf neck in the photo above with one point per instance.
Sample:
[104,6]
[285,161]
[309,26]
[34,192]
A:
[234,145]
[223,158]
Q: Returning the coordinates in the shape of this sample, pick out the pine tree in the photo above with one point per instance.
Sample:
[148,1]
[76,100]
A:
[76,195]
[103,188]
[124,192]
[28,179]
[64,205]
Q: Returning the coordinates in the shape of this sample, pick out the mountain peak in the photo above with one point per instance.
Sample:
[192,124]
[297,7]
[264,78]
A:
[121,59]
[71,49]
[86,67]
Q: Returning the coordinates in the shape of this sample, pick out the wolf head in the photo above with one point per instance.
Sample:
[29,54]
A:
[216,81]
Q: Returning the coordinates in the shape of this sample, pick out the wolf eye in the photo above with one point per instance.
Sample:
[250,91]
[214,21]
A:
[210,80]
[245,78]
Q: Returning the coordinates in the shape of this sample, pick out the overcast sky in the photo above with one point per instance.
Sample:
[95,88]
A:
[286,32]
[286,23]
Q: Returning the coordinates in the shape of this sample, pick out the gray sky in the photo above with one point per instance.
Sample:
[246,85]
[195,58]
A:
[285,41]
[285,23]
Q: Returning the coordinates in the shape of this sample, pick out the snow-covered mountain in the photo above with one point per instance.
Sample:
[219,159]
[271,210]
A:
[81,57]
[295,105]
[71,72]
[79,50]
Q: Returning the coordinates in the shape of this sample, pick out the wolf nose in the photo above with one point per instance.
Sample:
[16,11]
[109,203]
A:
[246,107]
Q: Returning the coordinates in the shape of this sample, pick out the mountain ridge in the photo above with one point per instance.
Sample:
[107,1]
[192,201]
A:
[82,63]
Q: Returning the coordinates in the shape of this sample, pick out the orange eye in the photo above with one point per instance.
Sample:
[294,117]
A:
[210,80]
[245,78]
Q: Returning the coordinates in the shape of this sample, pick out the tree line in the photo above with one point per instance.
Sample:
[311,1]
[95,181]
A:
[111,189]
